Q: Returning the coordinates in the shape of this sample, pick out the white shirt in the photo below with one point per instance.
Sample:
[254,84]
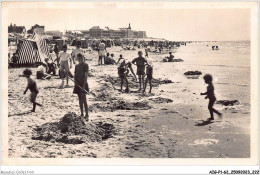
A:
[40,68]
[101,47]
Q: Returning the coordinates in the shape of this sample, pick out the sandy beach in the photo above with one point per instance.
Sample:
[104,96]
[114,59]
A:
[168,123]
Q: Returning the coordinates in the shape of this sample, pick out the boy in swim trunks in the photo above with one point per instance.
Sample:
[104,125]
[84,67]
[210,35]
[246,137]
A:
[122,72]
[149,74]
[32,86]
[140,62]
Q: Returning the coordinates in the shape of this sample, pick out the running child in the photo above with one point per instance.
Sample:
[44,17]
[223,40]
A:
[149,74]
[81,84]
[211,96]
[32,86]
[140,63]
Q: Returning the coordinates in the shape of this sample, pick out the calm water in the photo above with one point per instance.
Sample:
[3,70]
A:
[233,54]
[230,66]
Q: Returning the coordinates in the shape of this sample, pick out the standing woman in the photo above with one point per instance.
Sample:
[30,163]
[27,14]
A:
[101,52]
[64,66]
[76,51]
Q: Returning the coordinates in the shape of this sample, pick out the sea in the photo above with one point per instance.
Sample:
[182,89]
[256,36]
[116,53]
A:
[230,67]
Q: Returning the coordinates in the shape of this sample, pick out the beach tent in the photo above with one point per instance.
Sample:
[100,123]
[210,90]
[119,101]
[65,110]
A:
[83,41]
[33,50]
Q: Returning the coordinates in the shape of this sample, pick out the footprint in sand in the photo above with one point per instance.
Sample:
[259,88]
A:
[205,142]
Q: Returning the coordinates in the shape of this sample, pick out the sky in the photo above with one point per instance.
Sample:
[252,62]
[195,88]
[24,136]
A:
[171,24]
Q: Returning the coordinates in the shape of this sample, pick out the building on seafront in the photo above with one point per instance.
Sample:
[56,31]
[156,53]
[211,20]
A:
[106,32]
[16,29]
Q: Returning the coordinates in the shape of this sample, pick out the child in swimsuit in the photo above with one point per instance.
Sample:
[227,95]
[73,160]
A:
[211,96]
[31,85]
[140,63]
[128,65]
[149,74]
[81,84]
[122,72]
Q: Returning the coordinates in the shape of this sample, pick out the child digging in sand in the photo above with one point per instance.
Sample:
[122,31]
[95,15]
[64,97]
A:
[81,84]
[140,63]
[122,72]
[149,74]
[128,64]
[211,96]
[31,85]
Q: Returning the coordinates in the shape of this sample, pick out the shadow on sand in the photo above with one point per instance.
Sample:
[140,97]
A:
[19,114]
[204,122]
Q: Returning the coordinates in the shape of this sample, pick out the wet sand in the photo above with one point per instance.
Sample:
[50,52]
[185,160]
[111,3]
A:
[168,123]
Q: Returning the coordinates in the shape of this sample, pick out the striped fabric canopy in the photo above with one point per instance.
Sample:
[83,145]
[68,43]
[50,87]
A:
[28,53]
[33,50]
[42,46]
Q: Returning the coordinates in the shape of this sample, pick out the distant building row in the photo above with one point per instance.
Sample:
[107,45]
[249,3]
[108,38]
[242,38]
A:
[20,29]
[97,32]
[15,29]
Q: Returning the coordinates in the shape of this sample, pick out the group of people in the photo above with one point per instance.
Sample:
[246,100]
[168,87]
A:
[64,62]
[215,48]
[144,69]
[103,56]
[80,83]
[13,60]
[169,58]
[81,88]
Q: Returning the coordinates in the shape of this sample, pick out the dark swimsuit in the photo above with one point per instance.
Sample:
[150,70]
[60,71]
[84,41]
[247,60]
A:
[33,88]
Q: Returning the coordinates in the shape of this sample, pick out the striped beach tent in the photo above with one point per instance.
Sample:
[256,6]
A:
[32,51]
